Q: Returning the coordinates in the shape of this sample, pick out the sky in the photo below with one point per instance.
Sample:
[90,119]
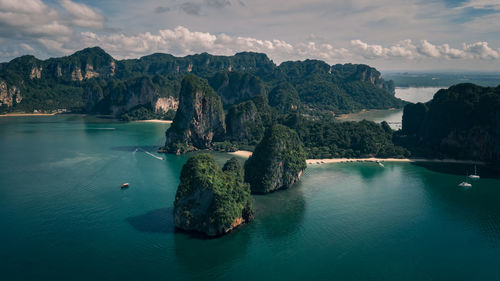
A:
[387,34]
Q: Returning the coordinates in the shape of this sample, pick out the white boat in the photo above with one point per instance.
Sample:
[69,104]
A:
[465,183]
[475,175]
[380,163]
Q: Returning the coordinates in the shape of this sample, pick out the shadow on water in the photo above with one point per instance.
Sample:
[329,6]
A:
[208,259]
[280,213]
[484,171]
[368,171]
[155,221]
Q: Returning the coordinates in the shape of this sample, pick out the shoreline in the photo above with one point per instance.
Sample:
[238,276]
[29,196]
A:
[26,114]
[247,154]
[154,121]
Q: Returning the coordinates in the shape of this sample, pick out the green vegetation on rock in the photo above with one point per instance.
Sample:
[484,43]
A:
[277,162]
[92,81]
[212,200]
[327,138]
[461,122]
[199,121]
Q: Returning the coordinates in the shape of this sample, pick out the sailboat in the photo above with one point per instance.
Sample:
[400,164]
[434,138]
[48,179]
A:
[465,183]
[475,175]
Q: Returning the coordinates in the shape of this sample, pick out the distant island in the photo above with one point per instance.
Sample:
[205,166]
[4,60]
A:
[91,81]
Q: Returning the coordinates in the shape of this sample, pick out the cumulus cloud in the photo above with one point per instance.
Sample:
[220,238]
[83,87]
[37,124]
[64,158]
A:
[30,18]
[82,15]
[181,41]
[406,49]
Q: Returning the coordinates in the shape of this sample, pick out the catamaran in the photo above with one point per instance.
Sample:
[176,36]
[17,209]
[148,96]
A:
[475,175]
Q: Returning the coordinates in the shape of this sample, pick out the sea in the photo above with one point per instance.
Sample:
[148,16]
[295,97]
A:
[63,215]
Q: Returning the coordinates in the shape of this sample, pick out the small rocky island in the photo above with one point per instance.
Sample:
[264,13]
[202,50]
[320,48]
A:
[211,200]
[277,162]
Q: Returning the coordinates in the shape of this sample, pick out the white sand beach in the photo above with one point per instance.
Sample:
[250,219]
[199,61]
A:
[155,121]
[246,154]
[26,114]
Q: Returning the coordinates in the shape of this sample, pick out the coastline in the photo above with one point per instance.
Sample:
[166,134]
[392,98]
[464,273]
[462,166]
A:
[154,121]
[26,114]
[247,154]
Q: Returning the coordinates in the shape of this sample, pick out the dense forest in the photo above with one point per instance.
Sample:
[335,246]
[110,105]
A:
[461,122]
[92,81]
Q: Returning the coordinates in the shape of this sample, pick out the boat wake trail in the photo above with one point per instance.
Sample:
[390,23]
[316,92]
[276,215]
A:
[149,153]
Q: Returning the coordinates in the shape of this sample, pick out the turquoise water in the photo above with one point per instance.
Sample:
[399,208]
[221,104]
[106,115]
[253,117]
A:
[64,217]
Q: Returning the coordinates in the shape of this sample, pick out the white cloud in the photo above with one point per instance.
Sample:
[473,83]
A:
[30,18]
[406,49]
[82,15]
[181,41]
[481,50]
[482,4]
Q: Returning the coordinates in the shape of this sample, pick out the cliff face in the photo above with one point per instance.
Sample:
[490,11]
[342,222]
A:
[277,162]
[163,105]
[9,95]
[123,97]
[199,120]
[363,73]
[211,200]
[461,122]
[284,98]
[235,87]
[244,123]
[82,65]
[71,82]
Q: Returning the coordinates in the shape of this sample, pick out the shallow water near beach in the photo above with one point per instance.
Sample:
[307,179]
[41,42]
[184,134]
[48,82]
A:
[63,215]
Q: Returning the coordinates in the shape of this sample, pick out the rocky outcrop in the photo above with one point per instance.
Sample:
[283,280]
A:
[235,87]
[76,74]
[244,123]
[277,162]
[9,95]
[462,122]
[284,98]
[36,72]
[140,91]
[363,73]
[163,105]
[199,120]
[211,200]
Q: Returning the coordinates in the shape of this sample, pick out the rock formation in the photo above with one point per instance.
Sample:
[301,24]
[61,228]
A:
[211,200]
[199,120]
[284,98]
[244,123]
[235,87]
[9,95]
[277,162]
[462,122]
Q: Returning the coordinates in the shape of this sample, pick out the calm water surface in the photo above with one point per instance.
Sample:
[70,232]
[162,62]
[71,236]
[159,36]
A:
[64,217]
[395,116]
